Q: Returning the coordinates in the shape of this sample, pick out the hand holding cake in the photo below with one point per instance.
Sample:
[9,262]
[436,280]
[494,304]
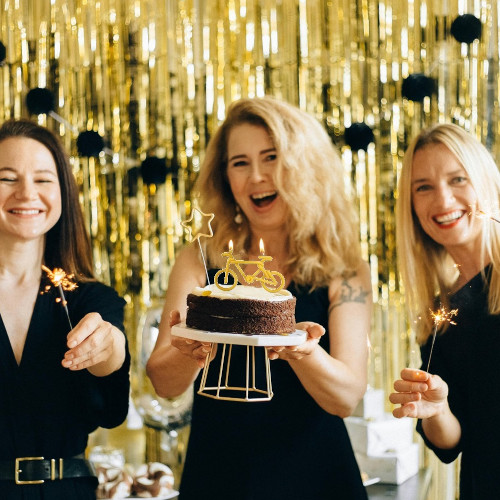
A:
[314,333]
[194,349]
[271,173]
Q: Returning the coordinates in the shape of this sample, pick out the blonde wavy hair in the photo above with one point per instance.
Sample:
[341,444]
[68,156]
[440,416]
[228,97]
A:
[427,270]
[323,239]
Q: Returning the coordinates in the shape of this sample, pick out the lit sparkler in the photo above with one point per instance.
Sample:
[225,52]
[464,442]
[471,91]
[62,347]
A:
[63,282]
[480,214]
[440,316]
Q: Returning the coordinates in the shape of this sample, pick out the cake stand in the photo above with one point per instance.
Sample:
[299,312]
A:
[224,390]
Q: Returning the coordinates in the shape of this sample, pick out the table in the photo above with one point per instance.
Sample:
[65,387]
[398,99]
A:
[414,488]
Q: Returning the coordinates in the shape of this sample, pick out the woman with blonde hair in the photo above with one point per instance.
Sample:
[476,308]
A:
[449,257]
[271,172]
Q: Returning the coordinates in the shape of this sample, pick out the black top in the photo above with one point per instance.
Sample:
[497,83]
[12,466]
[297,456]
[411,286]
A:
[466,358]
[286,448]
[48,410]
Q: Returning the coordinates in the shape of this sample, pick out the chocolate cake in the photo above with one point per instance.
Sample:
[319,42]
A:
[244,309]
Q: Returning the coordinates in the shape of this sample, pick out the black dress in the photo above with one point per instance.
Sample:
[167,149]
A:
[47,410]
[286,448]
[466,357]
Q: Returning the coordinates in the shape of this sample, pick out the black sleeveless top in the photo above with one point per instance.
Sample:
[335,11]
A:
[287,448]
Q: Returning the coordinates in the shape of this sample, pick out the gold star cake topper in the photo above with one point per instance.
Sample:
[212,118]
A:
[188,224]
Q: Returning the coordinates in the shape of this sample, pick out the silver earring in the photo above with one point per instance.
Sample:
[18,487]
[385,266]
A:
[238,218]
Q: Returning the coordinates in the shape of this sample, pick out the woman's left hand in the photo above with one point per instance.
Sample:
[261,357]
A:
[94,342]
[314,333]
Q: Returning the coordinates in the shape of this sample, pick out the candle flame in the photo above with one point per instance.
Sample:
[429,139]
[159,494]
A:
[261,247]
[230,245]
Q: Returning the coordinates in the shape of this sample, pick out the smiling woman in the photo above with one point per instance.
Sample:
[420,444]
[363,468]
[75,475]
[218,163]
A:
[445,202]
[30,195]
[58,382]
[271,173]
[251,169]
[449,258]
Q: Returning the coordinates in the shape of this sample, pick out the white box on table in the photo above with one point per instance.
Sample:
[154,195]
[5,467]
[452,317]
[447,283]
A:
[373,437]
[371,406]
[393,467]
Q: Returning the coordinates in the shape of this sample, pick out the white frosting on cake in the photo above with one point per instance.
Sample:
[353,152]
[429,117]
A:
[243,292]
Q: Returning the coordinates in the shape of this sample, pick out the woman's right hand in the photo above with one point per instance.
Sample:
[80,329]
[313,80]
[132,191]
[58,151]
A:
[198,351]
[420,394]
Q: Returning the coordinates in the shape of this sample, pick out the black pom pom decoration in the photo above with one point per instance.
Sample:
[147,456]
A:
[466,28]
[89,143]
[154,170]
[40,101]
[417,86]
[3,53]
[358,136]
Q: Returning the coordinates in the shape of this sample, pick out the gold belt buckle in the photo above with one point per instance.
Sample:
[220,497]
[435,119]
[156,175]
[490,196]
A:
[18,470]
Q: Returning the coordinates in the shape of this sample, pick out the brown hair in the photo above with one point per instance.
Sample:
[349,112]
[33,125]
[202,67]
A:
[67,244]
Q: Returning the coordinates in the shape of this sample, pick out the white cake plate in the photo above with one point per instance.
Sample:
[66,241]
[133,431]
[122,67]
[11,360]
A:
[295,338]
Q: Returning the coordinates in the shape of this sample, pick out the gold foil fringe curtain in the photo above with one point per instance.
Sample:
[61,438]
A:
[155,78]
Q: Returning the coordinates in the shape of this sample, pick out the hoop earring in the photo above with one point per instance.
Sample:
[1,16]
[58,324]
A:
[238,218]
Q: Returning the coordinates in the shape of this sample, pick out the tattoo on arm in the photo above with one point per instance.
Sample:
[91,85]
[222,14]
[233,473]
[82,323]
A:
[348,293]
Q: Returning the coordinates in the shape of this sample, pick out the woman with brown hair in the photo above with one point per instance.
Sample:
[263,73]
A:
[63,375]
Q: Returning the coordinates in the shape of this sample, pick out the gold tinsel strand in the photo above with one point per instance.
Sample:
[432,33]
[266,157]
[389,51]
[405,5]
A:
[155,79]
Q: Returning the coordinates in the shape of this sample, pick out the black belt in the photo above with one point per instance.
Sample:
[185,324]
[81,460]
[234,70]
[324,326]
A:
[36,470]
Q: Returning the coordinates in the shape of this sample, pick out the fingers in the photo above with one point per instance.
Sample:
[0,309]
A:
[314,330]
[294,352]
[402,398]
[174,318]
[84,329]
[198,351]
[414,374]
[408,386]
[407,410]
[90,342]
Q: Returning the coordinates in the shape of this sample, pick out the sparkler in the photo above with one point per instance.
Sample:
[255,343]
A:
[62,281]
[440,316]
[480,214]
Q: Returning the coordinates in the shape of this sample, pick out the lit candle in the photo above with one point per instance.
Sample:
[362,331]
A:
[230,245]
[261,247]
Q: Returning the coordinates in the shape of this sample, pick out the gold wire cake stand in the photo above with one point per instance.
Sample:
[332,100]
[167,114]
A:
[224,390]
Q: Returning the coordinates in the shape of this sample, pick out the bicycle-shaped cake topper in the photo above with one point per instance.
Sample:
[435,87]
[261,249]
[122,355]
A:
[272,281]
